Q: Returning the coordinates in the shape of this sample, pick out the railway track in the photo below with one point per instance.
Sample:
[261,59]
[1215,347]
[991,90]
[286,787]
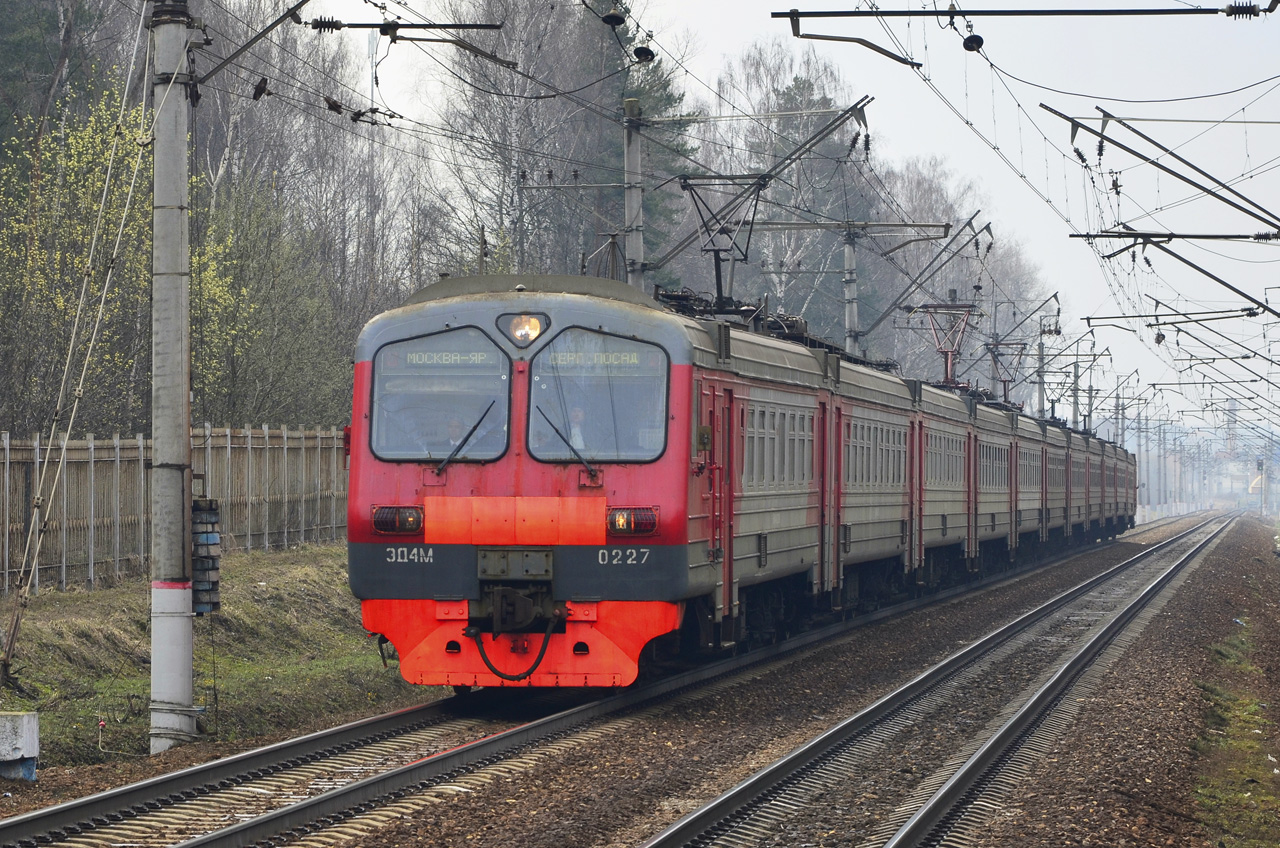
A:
[811,792]
[180,806]
[355,779]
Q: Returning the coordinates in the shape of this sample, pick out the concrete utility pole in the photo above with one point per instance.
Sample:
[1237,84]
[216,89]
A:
[172,710]
[850,284]
[633,194]
[1040,379]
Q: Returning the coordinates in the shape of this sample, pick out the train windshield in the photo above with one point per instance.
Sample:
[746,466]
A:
[597,397]
[441,397]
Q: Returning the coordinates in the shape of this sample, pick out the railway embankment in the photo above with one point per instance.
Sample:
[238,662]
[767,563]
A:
[1174,747]
[285,655]
[1180,745]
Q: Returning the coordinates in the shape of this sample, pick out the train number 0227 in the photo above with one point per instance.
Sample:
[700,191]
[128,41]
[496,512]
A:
[622,556]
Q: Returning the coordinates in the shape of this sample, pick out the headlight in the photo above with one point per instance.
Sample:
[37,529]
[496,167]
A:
[634,520]
[523,329]
[405,520]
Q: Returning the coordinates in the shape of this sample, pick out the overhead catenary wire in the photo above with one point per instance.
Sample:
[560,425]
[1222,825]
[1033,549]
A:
[445,134]
[1105,268]
[677,151]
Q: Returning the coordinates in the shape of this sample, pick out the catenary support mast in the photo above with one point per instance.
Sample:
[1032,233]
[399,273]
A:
[172,710]
[633,195]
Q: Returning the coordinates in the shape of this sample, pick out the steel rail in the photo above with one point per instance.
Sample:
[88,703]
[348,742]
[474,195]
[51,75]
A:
[761,785]
[115,804]
[122,803]
[135,800]
[987,759]
[338,803]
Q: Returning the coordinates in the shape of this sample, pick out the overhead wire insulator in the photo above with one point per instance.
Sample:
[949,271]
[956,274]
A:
[1241,10]
[324,24]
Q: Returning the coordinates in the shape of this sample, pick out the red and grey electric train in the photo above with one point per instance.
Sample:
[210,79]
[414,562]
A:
[550,474]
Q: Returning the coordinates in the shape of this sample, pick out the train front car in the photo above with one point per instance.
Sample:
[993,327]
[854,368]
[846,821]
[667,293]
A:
[517,504]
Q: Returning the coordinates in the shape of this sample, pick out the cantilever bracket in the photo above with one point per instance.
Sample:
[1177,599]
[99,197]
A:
[795,30]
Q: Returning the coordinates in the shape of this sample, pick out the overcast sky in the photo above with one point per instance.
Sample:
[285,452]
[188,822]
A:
[1153,62]
[1171,71]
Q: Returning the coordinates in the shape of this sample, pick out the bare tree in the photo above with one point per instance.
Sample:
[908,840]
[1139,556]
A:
[776,99]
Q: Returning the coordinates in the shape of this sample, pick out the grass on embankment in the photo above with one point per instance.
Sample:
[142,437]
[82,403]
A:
[1239,784]
[287,651]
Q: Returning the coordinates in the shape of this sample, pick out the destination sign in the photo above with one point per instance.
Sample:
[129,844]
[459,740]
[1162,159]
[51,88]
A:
[446,357]
[602,357]
[457,350]
[580,351]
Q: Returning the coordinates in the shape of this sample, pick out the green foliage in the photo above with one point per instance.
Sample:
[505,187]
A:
[75,235]
[264,342]
[59,257]
[1239,791]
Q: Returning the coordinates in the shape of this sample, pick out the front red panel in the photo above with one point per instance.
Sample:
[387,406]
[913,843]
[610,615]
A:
[600,646]
[514,521]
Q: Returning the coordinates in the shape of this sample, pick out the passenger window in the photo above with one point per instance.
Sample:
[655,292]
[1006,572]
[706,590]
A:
[439,396]
[598,396]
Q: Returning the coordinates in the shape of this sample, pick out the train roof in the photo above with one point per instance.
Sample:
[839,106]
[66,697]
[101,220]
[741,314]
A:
[787,358]
[544,283]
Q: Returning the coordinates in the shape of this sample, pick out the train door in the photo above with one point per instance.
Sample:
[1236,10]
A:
[1089,495]
[1044,492]
[1069,479]
[972,480]
[722,504]
[826,465]
[916,488]
[1015,493]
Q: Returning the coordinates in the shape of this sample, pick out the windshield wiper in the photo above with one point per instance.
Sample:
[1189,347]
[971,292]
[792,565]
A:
[463,442]
[565,439]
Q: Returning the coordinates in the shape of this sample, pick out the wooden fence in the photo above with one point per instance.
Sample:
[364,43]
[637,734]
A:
[276,487]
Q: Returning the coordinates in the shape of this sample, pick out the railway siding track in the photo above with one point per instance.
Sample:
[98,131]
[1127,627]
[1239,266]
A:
[787,802]
[967,798]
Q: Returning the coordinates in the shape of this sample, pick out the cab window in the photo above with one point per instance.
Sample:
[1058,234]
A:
[439,396]
[599,397]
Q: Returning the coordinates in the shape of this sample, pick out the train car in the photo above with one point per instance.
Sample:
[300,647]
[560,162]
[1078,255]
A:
[1030,495]
[551,477]
[1057,478]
